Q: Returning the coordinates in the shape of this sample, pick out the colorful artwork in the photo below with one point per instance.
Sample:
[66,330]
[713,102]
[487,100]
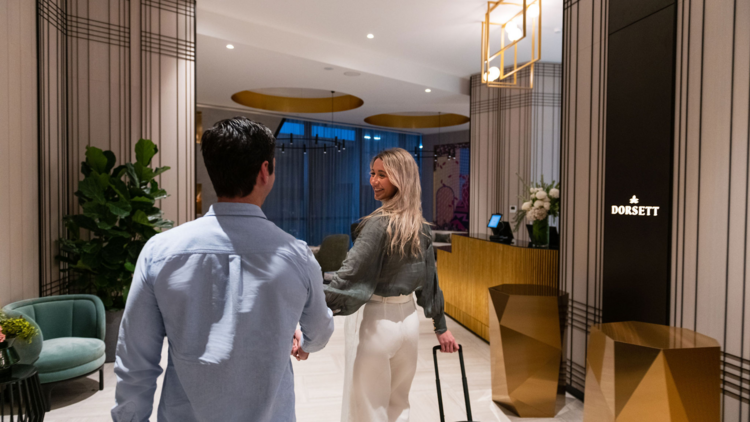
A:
[451,187]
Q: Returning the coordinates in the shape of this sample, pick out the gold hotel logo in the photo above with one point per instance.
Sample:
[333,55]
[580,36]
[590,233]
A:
[638,210]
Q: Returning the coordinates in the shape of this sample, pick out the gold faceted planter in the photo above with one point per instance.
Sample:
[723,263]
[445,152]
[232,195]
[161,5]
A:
[527,330]
[639,372]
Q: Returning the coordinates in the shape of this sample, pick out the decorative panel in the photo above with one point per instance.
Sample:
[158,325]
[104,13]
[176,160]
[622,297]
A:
[711,187]
[111,72]
[582,173]
[19,211]
[514,132]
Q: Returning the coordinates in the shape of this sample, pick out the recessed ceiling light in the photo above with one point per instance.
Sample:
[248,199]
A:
[351,73]
[370,36]
[428,90]
[230,46]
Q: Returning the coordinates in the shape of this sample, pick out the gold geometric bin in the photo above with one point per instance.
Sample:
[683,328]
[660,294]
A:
[527,332]
[639,372]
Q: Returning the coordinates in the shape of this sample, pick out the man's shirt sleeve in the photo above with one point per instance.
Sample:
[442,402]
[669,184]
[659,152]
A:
[139,348]
[316,321]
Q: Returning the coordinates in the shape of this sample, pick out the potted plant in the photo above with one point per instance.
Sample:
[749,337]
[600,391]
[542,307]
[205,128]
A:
[119,216]
[12,329]
[540,202]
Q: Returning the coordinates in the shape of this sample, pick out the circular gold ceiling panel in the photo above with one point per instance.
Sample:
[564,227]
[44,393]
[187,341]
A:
[416,121]
[298,104]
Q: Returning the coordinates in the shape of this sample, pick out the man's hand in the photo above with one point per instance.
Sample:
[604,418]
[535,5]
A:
[448,344]
[297,351]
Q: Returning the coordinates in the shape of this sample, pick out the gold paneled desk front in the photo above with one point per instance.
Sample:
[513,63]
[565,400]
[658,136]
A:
[474,264]
[639,372]
[527,332]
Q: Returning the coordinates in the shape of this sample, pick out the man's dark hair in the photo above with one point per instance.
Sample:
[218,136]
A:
[234,151]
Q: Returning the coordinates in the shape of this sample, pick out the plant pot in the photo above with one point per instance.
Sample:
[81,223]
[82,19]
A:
[540,233]
[8,358]
[112,332]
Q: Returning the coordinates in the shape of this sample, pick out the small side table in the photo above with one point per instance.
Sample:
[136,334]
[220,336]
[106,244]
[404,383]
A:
[21,398]
[651,373]
[527,334]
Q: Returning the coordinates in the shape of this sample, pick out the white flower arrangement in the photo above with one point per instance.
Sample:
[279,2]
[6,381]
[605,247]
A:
[541,201]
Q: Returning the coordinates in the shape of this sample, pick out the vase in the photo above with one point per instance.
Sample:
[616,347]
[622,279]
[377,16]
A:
[540,233]
[8,358]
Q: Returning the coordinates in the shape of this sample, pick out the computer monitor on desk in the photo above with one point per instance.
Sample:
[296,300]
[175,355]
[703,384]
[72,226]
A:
[500,230]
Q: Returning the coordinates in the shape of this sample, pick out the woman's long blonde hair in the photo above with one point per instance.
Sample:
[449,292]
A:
[404,209]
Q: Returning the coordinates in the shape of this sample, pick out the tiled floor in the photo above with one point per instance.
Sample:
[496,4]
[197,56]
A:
[319,384]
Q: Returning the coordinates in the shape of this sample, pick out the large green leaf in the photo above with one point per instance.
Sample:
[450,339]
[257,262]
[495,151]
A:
[140,217]
[85,222]
[121,208]
[111,160]
[120,188]
[81,266]
[120,233]
[142,202]
[145,174]
[164,224]
[133,175]
[157,193]
[145,151]
[129,266]
[160,170]
[92,247]
[119,171]
[91,188]
[90,261]
[96,159]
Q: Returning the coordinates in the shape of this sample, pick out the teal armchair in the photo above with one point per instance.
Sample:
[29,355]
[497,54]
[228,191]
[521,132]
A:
[72,337]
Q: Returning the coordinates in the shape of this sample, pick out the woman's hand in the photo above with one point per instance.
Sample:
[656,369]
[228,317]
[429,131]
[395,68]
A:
[448,344]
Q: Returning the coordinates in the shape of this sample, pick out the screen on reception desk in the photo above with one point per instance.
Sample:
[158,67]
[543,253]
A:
[494,221]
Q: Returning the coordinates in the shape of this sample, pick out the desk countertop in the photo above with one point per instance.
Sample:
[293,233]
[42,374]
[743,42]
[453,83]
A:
[485,237]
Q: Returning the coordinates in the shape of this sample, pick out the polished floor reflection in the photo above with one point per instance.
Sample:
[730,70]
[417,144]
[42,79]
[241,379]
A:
[319,383]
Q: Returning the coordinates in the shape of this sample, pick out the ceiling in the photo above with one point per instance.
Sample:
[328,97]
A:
[417,44]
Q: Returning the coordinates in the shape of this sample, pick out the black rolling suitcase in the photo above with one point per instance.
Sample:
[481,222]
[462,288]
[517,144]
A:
[463,378]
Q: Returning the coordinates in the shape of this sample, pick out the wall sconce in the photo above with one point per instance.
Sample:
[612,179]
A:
[527,20]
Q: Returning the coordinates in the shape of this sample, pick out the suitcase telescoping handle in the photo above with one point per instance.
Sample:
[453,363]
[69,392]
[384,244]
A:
[463,378]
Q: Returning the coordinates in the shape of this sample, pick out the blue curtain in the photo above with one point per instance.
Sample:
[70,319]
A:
[322,189]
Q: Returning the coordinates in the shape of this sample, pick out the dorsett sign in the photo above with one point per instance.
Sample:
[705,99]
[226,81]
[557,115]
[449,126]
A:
[635,209]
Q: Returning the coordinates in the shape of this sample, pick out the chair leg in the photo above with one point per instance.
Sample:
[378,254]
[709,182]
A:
[47,394]
[101,379]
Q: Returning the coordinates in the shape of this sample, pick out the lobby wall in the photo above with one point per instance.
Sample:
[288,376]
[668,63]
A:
[711,181]
[111,72]
[711,185]
[19,212]
[514,133]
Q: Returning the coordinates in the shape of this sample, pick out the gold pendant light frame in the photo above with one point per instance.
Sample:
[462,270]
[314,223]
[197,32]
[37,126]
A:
[503,81]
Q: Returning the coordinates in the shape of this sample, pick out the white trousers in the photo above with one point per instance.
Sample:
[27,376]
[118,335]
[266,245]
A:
[381,360]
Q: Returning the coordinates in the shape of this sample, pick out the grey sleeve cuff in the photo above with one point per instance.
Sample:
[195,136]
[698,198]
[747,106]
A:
[439,323]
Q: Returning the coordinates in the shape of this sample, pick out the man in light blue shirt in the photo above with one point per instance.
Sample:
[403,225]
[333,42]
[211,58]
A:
[227,290]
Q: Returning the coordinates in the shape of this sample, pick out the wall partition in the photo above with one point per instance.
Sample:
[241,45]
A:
[514,132]
[583,149]
[19,211]
[322,189]
[111,72]
[709,175]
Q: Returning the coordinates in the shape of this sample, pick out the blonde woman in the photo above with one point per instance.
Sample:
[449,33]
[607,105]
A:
[391,262]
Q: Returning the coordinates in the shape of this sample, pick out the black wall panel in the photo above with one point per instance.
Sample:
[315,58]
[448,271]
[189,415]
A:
[640,97]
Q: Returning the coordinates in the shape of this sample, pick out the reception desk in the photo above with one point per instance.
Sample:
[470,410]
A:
[473,264]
